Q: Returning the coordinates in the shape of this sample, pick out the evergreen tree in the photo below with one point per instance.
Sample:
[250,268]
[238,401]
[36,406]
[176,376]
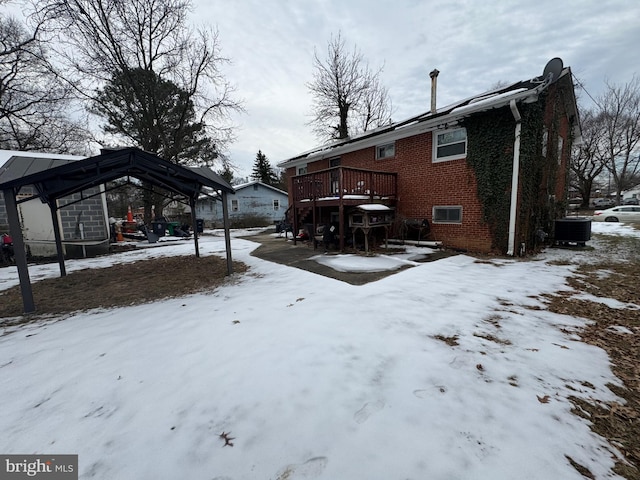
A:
[263,171]
[226,172]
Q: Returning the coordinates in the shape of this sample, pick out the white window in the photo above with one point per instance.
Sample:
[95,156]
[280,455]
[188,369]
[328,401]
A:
[449,144]
[302,170]
[276,204]
[387,150]
[560,148]
[234,205]
[447,214]
[545,141]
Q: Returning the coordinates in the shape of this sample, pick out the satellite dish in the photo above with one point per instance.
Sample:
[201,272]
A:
[552,70]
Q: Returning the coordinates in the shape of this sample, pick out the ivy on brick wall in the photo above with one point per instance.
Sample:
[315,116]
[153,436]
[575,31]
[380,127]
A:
[490,154]
[490,138]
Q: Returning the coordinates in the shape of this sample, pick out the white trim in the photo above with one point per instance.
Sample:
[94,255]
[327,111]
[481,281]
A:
[434,141]
[384,146]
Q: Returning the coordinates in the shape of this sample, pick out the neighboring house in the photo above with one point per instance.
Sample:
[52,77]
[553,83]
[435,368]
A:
[82,218]
[631,193]
[453,167]
[251,200]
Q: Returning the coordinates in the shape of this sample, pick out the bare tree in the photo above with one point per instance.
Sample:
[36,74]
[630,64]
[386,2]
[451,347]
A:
[171,96]
[34,104]
[620,111]
[99,40]
[587,160]
[347,96]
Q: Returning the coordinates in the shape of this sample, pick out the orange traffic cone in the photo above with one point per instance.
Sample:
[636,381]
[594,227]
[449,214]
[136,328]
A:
[119,237]
[129,215]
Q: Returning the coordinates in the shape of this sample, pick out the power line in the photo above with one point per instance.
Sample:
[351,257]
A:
[584,89]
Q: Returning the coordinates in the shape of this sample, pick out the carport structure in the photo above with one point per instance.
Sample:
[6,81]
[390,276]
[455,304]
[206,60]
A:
[58,182]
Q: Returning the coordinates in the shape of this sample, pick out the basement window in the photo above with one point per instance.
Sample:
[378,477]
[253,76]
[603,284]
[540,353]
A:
[388,150]
[449,144]
[447,214]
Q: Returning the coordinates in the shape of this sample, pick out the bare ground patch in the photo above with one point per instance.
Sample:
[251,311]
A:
[120,285]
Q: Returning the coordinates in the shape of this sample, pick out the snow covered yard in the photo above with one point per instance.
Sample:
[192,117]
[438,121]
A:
[449,369]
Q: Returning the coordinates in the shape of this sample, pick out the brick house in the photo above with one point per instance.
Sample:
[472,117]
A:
[454,168]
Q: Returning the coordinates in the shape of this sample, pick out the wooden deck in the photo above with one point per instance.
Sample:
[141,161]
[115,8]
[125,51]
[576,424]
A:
[344,186]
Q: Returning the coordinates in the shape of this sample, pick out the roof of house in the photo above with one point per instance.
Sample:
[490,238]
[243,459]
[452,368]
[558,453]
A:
[524,91]
[242,186]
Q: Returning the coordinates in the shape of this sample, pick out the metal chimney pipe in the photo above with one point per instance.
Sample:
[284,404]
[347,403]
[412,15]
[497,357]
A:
[434,83]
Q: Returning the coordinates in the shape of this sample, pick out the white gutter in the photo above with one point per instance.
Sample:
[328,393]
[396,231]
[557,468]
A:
[514,179]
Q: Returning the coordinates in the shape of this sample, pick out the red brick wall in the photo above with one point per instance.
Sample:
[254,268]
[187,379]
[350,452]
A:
[423,184]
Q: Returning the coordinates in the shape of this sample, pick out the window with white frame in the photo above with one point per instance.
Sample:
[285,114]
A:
[545,141]
[302,170]
[387,150]
[449,144]
[560,149]
[234,205]
[276,204]
[447,214]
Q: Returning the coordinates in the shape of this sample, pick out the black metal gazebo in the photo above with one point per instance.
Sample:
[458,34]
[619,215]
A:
[58,182]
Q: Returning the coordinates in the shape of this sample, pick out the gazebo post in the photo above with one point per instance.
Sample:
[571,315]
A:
[227,233]
[58,238]
[192,204]
[19,251]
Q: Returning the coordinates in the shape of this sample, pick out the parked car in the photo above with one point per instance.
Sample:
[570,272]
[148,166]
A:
[631,201]
[603,202]
[622,213]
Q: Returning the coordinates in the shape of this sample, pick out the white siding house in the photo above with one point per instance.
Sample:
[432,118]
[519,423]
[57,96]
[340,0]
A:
[252,201]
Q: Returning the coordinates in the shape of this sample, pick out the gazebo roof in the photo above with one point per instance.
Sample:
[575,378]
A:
[76,176]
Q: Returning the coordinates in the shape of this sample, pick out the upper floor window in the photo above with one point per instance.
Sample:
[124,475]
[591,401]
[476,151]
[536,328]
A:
[449,144]
[387,150]
[560,149]
[302,170]
[255,187]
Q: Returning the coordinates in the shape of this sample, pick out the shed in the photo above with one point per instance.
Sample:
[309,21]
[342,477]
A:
[83,221]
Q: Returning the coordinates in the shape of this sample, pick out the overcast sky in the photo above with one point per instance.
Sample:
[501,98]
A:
[473,43]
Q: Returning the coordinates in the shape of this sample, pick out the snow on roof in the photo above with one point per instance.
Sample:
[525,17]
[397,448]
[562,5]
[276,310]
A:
[253,182]
[426,121]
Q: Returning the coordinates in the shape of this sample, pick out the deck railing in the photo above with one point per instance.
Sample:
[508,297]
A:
[342,183]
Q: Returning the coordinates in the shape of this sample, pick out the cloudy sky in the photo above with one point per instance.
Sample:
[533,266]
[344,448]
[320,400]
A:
[473,43]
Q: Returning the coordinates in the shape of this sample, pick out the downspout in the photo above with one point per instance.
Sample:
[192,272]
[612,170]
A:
[514,179]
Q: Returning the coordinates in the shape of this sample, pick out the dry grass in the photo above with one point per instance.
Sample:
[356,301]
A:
[616,278]
[120,285]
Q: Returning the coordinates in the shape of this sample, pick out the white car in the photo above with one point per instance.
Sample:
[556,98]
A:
[623,213]
[603,202]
